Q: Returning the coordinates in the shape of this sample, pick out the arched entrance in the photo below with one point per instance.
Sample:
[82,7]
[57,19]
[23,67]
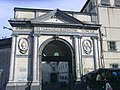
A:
[57,64]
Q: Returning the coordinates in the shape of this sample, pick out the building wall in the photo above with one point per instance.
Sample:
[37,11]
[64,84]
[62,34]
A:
[110,32]
[110,20]
[107,14]
[32,34]
[49,68]
[63,72]
[46,73]
[4,66]
[30,13]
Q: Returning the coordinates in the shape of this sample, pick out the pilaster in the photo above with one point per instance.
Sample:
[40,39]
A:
[95,53]
[35,58]
[12,60]
[78,56]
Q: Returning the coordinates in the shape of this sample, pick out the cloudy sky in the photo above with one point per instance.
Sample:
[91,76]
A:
[7,7]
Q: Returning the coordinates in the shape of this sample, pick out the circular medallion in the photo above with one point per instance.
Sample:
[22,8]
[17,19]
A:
[23,45]
[87,46]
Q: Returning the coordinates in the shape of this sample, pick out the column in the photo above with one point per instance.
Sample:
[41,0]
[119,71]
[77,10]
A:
[80,57]
[35,58]
[40,72]
[95,53]
[77,58]
[98,51]
[12,60]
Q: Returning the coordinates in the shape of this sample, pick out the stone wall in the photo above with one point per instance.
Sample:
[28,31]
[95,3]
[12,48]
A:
[5,52]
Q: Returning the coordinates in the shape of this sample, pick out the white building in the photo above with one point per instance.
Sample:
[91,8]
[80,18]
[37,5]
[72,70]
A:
[51,35]
[49,72]
[63,73]
[106,13]
[82,41]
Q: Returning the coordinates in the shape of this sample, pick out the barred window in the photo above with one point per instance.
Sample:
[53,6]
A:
[111,46]
[105,2]
[114,65]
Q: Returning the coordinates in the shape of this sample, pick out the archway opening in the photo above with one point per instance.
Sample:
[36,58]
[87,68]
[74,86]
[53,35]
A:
[56,51]
[56,65]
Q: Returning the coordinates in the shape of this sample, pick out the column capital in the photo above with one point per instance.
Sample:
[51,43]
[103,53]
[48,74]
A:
[55,36]
[14,35]
[77,36]
[80,37]
[35,35]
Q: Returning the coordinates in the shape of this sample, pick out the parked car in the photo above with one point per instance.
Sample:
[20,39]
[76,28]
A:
[97,79]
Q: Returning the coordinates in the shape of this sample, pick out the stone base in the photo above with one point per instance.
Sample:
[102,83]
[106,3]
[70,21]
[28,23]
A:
[21,86]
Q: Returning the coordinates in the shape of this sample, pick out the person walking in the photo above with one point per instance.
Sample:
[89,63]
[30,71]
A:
[108,86]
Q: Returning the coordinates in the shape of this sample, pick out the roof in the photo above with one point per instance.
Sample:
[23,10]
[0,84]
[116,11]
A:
[43,10]
[68,21]
[57,14]
[84,5]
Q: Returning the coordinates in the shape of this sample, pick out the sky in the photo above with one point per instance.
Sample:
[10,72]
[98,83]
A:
[7,9]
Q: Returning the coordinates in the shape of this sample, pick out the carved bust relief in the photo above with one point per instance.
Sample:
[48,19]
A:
[87,46]
[23,45]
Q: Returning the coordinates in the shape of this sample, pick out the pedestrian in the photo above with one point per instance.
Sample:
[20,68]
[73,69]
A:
[84,84]
[108,86]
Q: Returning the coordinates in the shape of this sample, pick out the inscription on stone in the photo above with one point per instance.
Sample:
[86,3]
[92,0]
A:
[55,29]
[50,29]
[88,31]
[22,28]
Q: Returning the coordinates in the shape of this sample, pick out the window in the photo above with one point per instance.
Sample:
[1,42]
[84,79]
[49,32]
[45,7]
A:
[62,77]
[111,46]
[53,68]
[105,2]
[65,77]
[117,2]
[114,65]
[66,65]
[63,66]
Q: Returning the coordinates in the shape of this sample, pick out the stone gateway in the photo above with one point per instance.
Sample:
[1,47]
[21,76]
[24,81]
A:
[50,47]
[43,40]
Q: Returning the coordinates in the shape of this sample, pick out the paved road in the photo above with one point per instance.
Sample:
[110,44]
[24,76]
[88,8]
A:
[58,87]
[54,87]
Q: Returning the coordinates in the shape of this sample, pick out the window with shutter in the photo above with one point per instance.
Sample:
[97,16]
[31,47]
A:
[105,2]
[117,2]
[111,46]
[114,65]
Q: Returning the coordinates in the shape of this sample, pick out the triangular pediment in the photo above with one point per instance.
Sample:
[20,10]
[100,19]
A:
[56,16]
